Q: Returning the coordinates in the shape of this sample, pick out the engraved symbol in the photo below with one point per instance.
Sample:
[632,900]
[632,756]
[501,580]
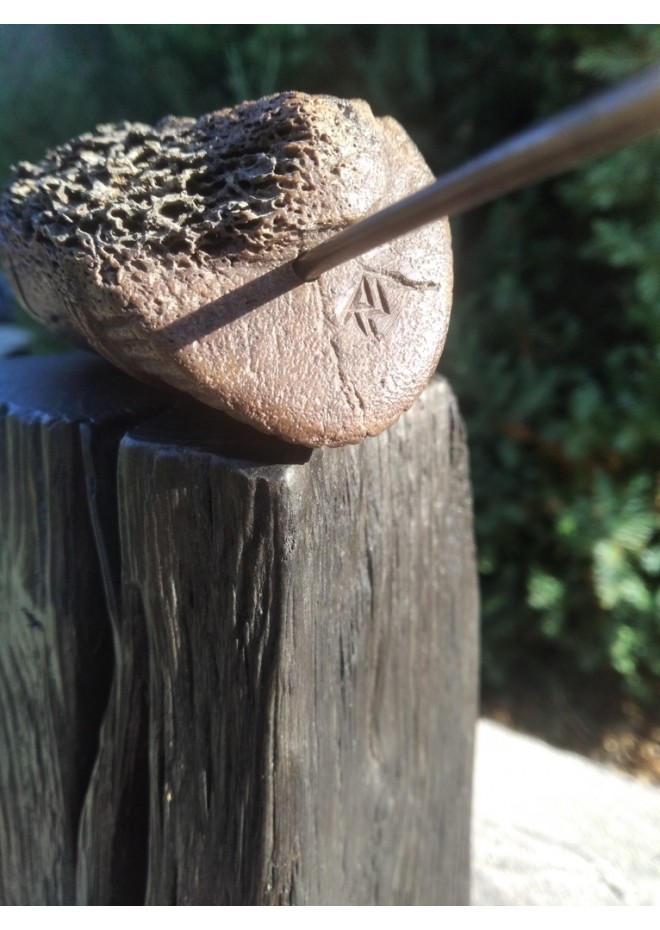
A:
[370,309]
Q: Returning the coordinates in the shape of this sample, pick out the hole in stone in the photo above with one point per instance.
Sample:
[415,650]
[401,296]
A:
[133,223]
[174,209]
[176,242]
[213,245]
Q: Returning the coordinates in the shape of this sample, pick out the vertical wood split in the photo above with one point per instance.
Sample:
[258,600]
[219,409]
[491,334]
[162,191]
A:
[232,671]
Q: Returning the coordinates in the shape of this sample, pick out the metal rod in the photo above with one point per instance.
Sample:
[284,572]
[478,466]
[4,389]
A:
[602,124]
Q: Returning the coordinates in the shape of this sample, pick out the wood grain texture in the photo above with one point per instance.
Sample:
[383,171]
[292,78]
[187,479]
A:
[312,648]
[55,633]
[293,699]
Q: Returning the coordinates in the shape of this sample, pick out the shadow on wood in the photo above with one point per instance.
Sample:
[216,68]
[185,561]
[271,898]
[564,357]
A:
[232,671]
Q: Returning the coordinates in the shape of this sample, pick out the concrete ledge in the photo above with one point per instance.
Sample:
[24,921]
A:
[553,828]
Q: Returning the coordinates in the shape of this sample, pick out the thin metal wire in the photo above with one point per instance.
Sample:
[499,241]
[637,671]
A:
[602,124]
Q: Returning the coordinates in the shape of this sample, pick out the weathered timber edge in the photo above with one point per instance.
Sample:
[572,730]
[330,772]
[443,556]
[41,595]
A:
[232,671]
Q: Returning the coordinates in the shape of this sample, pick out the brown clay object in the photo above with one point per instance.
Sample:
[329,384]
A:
[168,249]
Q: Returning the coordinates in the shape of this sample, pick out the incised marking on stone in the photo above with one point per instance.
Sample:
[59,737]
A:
[371,309]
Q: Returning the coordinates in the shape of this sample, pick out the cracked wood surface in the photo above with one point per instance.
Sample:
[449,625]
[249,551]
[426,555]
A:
[233,671]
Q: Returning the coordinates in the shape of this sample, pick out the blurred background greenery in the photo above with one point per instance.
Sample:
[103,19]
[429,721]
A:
[555,343]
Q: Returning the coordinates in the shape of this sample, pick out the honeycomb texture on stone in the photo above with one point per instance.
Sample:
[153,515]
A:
[232,183]
[167,249]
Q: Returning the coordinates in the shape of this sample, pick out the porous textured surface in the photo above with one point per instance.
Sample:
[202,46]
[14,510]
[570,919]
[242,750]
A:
[168,248]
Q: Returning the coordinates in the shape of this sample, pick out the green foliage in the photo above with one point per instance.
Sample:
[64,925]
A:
[559,323]
[555,342]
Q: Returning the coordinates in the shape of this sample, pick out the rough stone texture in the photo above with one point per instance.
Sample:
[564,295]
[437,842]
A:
[168,250]
[233,670]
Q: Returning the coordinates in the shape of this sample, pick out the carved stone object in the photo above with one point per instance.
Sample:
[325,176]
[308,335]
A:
[168,250]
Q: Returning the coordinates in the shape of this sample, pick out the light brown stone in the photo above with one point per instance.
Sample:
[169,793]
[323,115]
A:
[168,249]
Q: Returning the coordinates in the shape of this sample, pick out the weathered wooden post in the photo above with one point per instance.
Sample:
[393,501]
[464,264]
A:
[235,670]
[289,712]
[61,422]
[244,669]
